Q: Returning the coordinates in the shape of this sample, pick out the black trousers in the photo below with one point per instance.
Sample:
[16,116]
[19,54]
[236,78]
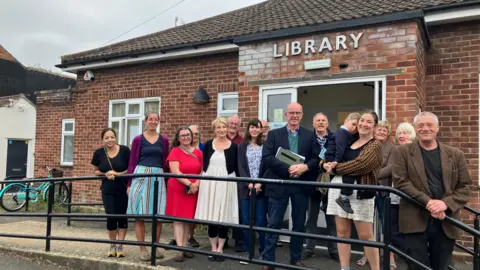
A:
[432,247]
[217,231]
[347,180]
[115,203]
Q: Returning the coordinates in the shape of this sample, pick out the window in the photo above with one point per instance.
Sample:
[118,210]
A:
[68,130]
[126,117]
[227,104]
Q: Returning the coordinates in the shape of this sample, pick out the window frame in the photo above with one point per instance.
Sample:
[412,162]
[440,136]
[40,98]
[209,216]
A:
[123,120]
[64,134]
[221,98]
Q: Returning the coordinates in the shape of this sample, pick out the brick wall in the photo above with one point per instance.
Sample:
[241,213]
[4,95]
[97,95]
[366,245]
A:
[384,47]
[452,93]
[174,81]
[52,107]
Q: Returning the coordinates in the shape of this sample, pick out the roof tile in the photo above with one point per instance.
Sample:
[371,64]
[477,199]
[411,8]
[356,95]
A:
[264,17]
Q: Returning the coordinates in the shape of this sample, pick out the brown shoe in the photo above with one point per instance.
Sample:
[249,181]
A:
[188,255]
[299,263]
[268,268]
[179,257]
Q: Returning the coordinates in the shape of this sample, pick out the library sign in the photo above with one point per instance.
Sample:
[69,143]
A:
[310,46]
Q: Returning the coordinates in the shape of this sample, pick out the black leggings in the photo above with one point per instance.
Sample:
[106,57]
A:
[217,231]
[115,204]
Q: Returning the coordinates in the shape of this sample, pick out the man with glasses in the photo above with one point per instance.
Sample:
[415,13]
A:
[265,129]
[302,142]
[234,136]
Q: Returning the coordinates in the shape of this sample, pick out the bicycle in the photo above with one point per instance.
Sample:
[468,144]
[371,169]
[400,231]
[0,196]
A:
[14,196]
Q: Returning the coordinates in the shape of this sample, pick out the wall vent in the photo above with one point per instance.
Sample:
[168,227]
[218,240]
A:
[434,70]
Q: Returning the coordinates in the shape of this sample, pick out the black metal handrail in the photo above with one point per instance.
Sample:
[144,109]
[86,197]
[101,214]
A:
[386,245]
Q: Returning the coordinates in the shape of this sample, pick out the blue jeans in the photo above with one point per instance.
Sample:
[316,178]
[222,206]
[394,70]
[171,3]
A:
[276,211]
[260,221]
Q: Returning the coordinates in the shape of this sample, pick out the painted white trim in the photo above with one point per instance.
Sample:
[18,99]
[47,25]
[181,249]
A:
[154,57]
[452,15]
[220,98]
[324,82]
[141,116]
[66,133]
[297,85]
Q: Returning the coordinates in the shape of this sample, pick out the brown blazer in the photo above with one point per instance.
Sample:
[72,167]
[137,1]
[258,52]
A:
[409,176]
[385,175]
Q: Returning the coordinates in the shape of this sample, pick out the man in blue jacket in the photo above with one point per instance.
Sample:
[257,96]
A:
[303,142]
[322,134]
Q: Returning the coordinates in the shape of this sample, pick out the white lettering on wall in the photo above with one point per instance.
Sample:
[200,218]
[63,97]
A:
[342,42]
[325,45]
[356,39]
[296,48]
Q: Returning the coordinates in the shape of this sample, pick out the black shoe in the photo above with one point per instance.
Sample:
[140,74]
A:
[211,258]
[172,243]
[193,243]
[279,244]
[219,259]
[334,256]
[307,255]
[344,204]
[239,248]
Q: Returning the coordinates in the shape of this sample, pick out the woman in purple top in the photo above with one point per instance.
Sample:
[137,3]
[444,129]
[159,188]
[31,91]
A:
[148,155]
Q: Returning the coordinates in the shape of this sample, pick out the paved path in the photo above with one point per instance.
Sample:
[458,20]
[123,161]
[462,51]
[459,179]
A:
[90,252]
[11,261]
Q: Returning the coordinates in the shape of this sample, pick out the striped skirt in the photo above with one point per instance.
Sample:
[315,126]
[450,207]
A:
[140,200]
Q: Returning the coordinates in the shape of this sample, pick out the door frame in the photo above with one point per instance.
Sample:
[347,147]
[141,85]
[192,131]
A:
[296,85]
[30,159]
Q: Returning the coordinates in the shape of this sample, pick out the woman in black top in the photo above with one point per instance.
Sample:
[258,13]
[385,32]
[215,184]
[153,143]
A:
[111,160]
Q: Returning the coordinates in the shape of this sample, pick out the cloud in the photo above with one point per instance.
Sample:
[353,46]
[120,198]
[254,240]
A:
[39,32]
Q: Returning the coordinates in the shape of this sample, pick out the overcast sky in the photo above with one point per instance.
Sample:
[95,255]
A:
[37,33]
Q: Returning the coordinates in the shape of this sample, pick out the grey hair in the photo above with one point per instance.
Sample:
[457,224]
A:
[193,126]
[320,113]
[232,116]
[408,128]
[435,118]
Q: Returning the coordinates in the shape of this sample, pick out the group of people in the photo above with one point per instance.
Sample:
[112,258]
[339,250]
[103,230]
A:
[360,152]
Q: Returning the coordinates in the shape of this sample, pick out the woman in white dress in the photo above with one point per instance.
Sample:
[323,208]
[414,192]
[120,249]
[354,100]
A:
[218,200]
[363,161]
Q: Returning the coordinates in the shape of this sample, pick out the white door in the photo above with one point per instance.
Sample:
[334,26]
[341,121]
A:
[274,104]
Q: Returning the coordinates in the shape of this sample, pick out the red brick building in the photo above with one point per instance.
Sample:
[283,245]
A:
[396,57]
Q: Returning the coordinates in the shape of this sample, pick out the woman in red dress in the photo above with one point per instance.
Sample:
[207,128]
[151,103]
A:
[182,193]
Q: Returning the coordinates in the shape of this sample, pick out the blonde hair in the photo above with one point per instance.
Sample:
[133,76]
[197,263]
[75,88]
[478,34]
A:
[408,128]
[353,116]
[385,124]
[219,120]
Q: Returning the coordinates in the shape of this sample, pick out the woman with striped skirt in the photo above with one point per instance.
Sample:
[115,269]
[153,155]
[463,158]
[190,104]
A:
[148,155]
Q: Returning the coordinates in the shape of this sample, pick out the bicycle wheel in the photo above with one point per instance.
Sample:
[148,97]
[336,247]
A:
[63,193]
[13,197]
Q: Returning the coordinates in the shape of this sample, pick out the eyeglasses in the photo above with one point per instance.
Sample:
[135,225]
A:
[185,135]
[196,134]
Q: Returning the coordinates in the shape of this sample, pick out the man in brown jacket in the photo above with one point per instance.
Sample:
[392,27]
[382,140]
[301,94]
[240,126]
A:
[436,175]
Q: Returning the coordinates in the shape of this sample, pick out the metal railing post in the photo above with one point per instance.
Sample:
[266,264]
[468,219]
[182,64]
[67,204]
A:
[387,231]
[154,221]
[27,194]
[251,246]
[51,199]
[476,258]
[69,206]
